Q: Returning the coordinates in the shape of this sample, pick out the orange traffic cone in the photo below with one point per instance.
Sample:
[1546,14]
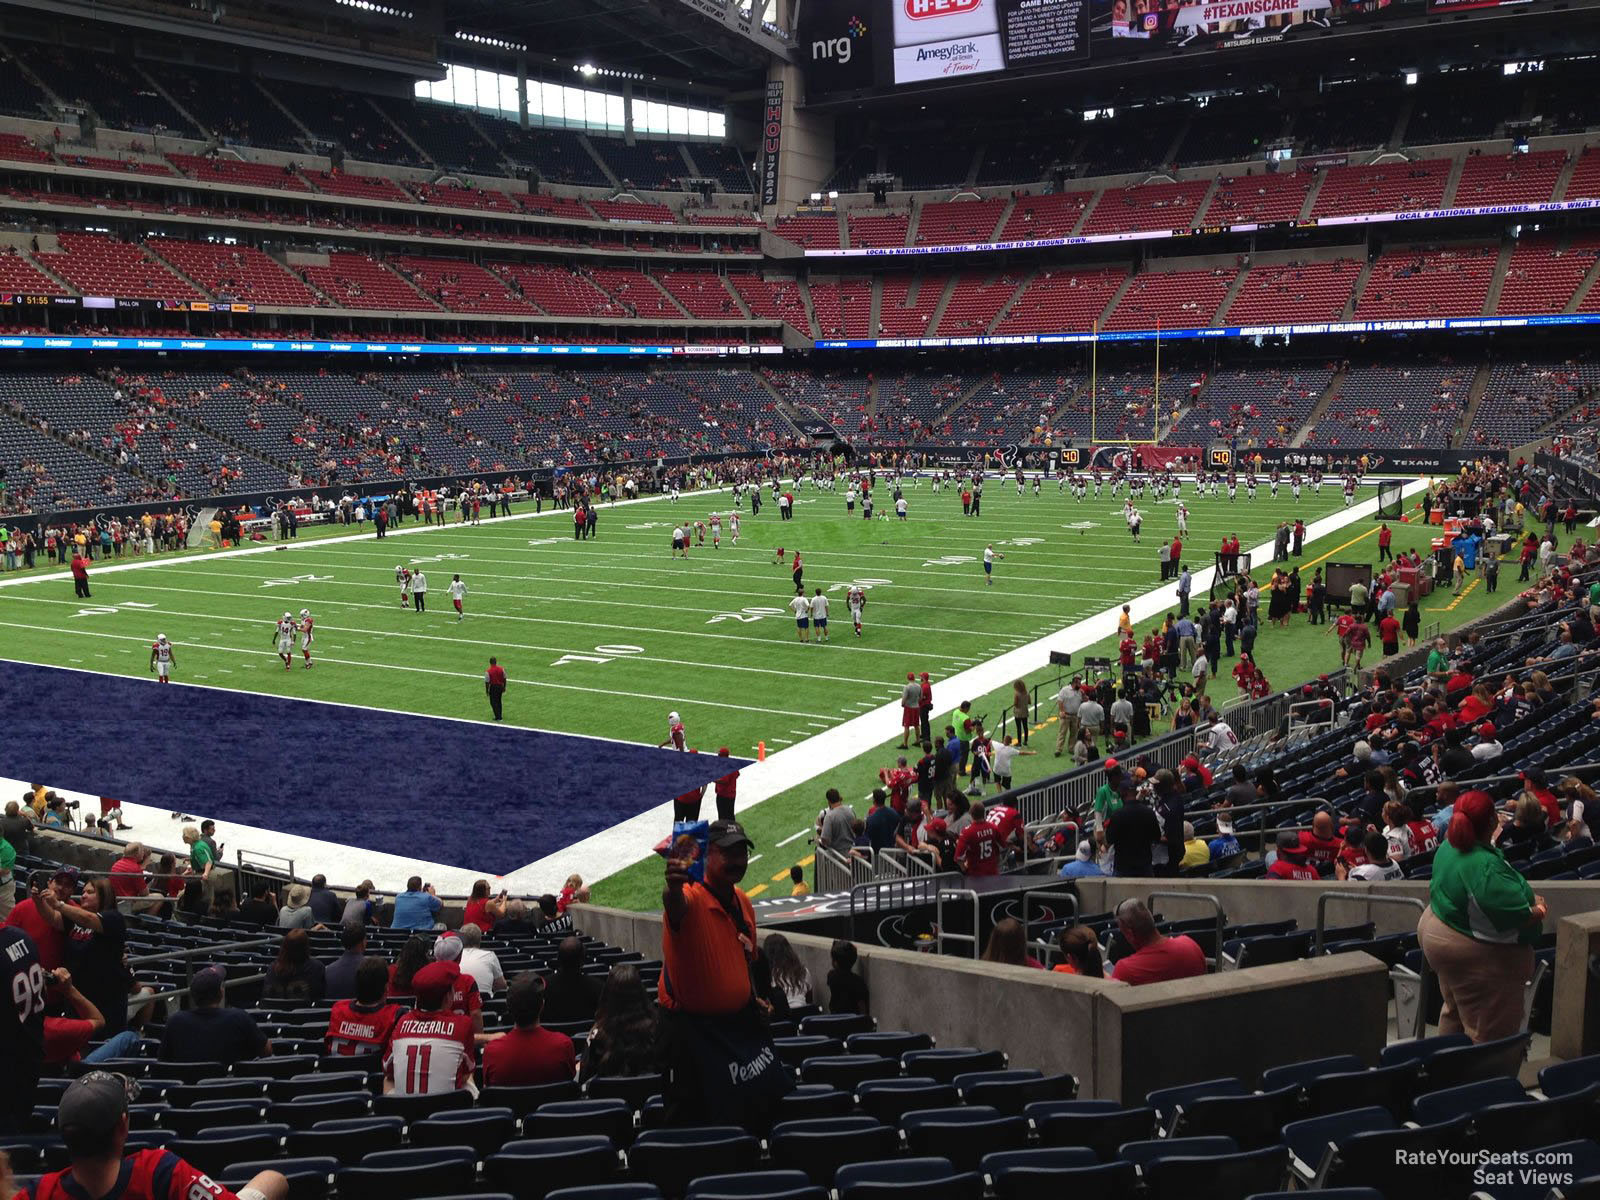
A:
[761,751]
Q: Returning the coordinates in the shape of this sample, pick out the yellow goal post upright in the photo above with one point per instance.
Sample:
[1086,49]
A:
[1094,395]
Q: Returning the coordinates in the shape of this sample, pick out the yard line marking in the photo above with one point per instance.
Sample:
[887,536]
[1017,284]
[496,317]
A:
[793,837]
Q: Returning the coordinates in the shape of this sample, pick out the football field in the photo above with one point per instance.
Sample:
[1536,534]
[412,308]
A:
[606,636]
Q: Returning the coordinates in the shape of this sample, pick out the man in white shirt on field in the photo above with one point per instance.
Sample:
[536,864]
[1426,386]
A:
[819,615]
[419,591]
[801,607]
[458,593]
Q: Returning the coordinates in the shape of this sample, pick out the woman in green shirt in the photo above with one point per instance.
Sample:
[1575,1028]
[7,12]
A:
[1480,926]
[199,852]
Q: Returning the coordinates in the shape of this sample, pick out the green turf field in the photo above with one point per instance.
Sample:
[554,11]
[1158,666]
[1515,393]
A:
[605,636]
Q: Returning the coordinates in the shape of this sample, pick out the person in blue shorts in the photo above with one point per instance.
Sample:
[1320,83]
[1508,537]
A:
[988,564]
[801,607]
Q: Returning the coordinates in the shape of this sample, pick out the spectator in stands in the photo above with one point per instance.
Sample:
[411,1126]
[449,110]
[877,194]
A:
[515,923]
[1291,861]
[193,905]
[339,976]
[847,991]
[1008,944]
[551,919]
[1196,850]
[262,907]
[128,878]
[207,1032]
[1080,953]
[325,906]
[708,945]
[97,945]
[65,1038]
[16,827]
[1378,867]
[417,907]
[790,981]
[361,908]
[1132,833]
[483,910]
[1580,797]
[1480,927]
[201,860]
[363,1025]
[529,1054]
[433,1049]
[48,915]
[483,965]
[1156,958]
[296,911]
[93,1119]
[1168,805]
[1526,824]
[623,1039]
[295,975]
[571,995]
[1083,865]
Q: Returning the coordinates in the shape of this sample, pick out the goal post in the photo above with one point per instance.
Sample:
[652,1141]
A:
[1391,504]
[1159,423]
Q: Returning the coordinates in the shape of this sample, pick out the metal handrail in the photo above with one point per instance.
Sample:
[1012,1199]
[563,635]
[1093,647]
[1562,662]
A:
[1222,917]
[942,935]
[146,960]
[1365,898]
[1047,894]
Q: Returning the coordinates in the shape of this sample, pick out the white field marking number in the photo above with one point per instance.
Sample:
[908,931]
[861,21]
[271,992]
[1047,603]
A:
[950,560]
[866,585]
[105,610]
[651,525]
[746,615]
[602,654]
[549,541]
[438,558]
[1022,542]
[292,580]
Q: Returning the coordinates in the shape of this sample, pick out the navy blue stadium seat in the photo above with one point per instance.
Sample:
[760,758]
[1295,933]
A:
[845,1071]
[945,1065]
[574,1118]
[348,1140]
[279,1068]
[316,1083]
[1166,1100]
[837,1025]
[1463,1064]
[1390,1088]
[418,1108]
[1010,1091]
[523,1100]
[1365,1147]
[889,1099]
[1107,1181]
[484,1129]
[998,1162]
[530,1170]
[756,1185]
[890,1044]
[1142,1154]
[810,1100]
[1101,1125]
[213,1150]
[308,1177]
[410,1174]
[670,1158]
[609,1191]
[1567,1078]
[1329,1194]
[187,1095]
[213,1114]
[929,1178]
[303,1114]
[963,1134]
[793,1051]
[634,1089]
[1252,1120]
[1420,1049]
[1301,1073]
[1215,1176]
[821,1147]
[1446,1104]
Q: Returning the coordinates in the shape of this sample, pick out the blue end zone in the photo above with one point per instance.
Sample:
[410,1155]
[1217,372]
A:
[483,797]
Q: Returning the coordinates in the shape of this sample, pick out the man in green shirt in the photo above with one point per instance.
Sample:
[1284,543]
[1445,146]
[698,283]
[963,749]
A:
[1109,796]
[1438,660]
[8,880]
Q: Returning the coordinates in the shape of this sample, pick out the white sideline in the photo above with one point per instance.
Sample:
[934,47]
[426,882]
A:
[605,853]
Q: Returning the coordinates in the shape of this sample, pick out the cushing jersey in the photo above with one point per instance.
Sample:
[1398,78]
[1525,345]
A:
[353,1030]
[430,1052]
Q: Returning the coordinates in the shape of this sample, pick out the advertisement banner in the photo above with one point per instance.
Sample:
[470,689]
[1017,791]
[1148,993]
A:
[1338,459]
[836,44]
[1233,19]
[946,60]
[945,39]
[771,142]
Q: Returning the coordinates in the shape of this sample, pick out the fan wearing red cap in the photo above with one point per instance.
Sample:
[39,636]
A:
[1488,744]
[432,1050]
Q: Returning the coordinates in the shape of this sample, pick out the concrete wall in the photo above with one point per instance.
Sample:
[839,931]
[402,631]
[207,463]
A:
[1117,1040]
[1575,1022]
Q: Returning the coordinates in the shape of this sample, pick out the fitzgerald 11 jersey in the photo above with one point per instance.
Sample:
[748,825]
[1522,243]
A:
[430,1052]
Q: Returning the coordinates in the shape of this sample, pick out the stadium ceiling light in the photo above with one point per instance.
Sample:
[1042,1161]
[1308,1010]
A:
[1411,79]
[588,70]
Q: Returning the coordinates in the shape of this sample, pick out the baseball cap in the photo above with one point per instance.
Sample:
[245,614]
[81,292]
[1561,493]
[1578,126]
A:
[728,834]
[1110,764]
[433,983]
[924,677]
[93,1104]
[937,825]
[70,874]
[1486,729]
[206,985]
[447,948]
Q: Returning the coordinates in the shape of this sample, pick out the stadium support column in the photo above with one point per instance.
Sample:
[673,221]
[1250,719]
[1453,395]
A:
[805,140]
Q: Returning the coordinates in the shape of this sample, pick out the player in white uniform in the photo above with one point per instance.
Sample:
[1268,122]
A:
[1349,490]
[716,531]
[856,600]
[733,527]
[1294,486]
[458,593]
[1135,521]
[307,634]
[1183,518]
[402,576]
[819,615]
[161,657]
[284,636]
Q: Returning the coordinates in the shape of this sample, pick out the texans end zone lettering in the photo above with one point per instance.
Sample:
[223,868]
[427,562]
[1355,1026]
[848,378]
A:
[771,137]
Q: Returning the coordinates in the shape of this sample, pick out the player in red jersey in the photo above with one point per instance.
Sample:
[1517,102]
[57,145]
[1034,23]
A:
[93,1119]
[676,738]
[978,847]
[307,634]
[402,576]
[161,658]
[364,1025]
[779,559]
[432,1050]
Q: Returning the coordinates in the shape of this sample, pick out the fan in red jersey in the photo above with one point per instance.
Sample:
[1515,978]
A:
[432,1050]
[364,1025]
[93,1119]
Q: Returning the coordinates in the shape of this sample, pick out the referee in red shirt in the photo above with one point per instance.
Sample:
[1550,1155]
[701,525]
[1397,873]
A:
[494,685]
